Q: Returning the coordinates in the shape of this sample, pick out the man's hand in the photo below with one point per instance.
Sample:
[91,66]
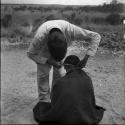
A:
[54,63]
[83,62]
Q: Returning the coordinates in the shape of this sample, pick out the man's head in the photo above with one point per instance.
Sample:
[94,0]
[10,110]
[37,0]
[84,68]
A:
[57,44]
[71,62]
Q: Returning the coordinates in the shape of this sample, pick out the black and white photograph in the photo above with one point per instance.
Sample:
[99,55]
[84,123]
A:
[63,62]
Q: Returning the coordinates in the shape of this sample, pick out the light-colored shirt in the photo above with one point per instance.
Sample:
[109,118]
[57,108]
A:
[71,32]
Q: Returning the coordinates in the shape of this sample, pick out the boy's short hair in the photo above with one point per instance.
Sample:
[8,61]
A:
[71,60]
[57,44]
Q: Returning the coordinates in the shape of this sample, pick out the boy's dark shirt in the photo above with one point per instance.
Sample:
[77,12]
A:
[72,101]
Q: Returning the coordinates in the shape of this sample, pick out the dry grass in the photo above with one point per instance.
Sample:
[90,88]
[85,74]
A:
[25,22]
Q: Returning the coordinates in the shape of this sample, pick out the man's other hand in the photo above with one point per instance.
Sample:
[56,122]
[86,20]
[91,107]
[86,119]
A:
[54,63]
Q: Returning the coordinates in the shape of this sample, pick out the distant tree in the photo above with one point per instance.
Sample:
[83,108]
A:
[68,8]
[104,4]
[86,19]
[6,21]
[114,2]
[50,17]
[113,19]
[78,20]
[98,20]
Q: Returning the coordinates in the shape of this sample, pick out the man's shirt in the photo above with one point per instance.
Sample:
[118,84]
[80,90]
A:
[71,33]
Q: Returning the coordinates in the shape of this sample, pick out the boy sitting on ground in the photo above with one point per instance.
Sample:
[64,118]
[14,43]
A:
[72,98]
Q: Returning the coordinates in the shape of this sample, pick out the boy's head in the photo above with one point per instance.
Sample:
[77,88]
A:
[71,62]
[57,44]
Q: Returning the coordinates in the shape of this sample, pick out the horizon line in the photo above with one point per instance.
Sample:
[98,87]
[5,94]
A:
[32,3]
[53,4]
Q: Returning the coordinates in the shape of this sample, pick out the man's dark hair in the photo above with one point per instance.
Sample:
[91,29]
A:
[72,60]
[57,44]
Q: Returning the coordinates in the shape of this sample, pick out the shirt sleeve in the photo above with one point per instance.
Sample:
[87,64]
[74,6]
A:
[36,46]
[93,38]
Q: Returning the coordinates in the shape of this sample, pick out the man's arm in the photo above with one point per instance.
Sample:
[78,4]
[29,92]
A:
[93,38]
[33,52]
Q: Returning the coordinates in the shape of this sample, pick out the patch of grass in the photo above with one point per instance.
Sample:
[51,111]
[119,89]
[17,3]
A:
[33,16]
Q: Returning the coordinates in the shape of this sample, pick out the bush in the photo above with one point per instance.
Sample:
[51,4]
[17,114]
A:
[113,19]
[78,21]
[6,21]
[25,24]
[74,18]
[98,20]
[112,40]
[50,17]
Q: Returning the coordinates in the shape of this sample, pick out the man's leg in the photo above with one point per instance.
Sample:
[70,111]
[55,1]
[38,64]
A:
[56,75]
[43,82]
[51,78]
[43,88]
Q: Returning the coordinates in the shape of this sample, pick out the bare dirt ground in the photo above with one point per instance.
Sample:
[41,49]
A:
[19,87]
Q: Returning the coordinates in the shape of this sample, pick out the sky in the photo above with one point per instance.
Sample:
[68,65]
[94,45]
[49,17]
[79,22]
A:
[62,2]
